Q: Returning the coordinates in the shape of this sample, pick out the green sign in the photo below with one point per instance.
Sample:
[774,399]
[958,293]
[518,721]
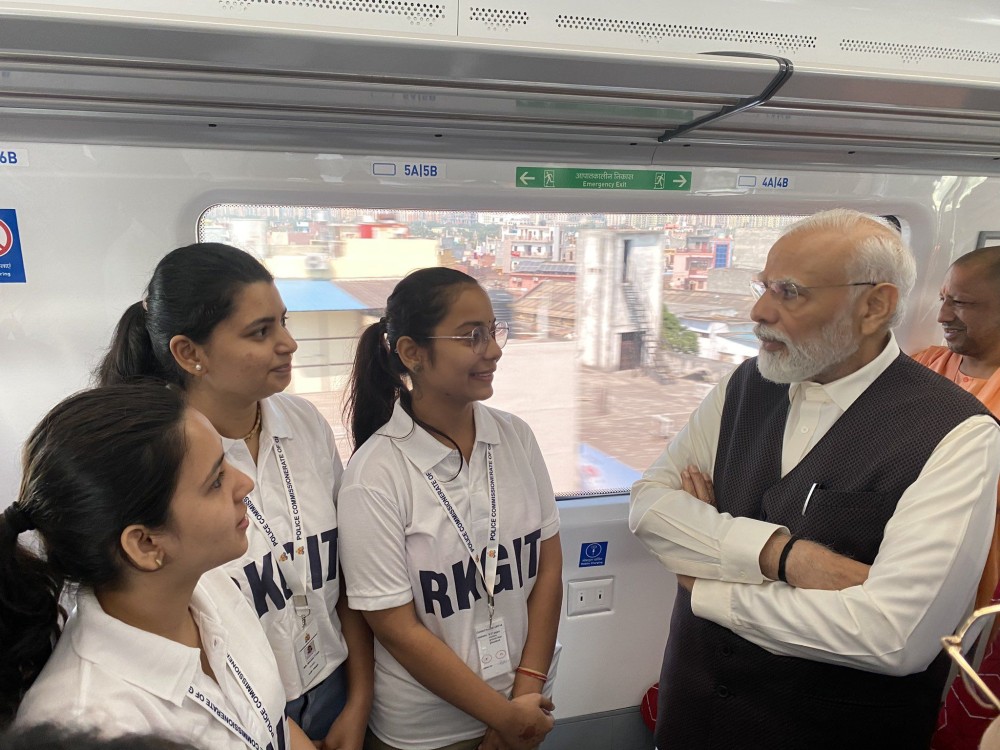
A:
[586,178]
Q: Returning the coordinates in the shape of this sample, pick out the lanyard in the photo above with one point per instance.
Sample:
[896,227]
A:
[292,569]
[230,723]
[489,575]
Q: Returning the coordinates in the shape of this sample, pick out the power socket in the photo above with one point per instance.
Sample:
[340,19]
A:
[587,597]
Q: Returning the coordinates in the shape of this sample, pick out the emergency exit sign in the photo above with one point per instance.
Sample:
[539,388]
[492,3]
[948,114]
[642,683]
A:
[601,179]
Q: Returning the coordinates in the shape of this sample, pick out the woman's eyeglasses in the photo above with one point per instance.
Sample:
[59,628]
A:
[479,338]
[957,646]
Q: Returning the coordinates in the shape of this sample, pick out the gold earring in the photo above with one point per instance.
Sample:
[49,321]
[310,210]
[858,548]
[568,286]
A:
[159,562]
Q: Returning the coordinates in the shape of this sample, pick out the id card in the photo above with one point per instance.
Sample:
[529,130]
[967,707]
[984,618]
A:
[308,650]
[494,656]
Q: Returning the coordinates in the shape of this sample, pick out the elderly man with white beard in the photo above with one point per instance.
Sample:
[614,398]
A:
[827,511]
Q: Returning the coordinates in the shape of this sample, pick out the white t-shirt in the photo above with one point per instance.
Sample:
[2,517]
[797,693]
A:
[400,546]
[315,471]
[110,677]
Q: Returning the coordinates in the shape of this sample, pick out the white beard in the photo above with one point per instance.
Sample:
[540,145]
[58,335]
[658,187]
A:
[834,343]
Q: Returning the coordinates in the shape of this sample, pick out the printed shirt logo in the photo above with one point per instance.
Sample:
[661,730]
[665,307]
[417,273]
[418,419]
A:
[268,589]
[458,588]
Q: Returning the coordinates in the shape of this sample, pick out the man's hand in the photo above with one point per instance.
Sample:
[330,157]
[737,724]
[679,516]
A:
[808,566]
[697,483]
[811,566]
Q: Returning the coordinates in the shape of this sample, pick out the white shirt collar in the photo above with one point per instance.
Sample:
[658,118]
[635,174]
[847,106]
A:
[422,448]
[845,391]
[155,664]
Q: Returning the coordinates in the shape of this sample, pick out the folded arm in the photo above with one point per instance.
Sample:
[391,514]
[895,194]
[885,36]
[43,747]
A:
[688,536]
[814,566]
[917,589]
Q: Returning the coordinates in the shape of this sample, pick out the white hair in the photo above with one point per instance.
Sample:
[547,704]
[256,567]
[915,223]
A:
[880,255]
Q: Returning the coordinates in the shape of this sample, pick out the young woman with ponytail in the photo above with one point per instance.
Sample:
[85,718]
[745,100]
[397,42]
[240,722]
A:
[213,324]
[134,507]
[451,544]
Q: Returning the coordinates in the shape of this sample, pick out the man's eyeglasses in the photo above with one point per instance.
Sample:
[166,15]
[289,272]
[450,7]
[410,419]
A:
[479,338]
[957,646]
[789,291]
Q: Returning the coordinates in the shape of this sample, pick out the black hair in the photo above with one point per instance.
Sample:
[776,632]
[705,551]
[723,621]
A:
[57,737]
[894,221]
[100,461]
[416,306]
[193,289]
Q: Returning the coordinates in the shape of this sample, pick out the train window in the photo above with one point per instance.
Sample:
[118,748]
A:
[620,323]
[988,239]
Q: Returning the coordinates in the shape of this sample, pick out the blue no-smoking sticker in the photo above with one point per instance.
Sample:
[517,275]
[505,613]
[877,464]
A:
[11,261]
[593,553]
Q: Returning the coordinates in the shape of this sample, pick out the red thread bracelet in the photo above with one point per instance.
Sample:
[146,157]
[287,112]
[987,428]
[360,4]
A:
[532,673]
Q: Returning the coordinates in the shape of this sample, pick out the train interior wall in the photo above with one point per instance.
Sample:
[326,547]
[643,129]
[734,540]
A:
[95,219]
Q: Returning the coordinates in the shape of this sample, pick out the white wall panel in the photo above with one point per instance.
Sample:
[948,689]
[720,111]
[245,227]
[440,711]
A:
[611,658]
[919,36]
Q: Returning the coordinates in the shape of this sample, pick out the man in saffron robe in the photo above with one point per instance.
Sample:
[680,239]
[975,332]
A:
[970,317]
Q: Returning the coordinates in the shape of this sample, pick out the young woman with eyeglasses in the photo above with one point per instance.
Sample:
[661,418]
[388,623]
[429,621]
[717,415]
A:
[451,545]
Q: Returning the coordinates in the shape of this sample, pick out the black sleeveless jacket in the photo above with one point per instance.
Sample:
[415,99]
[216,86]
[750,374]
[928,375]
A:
[718,690]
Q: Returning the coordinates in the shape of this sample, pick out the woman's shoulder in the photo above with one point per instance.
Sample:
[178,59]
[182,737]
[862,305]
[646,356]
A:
[57,693]
[99,704]
[217,587]
[71,690]
[218,598]
[299,414]
[378,456]
[290,405]
[505,421]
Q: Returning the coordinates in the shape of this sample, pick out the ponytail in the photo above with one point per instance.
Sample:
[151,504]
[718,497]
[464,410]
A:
[193,289]
[131,354]
[30,615]
[417,304]
[100,461]
[376,381]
